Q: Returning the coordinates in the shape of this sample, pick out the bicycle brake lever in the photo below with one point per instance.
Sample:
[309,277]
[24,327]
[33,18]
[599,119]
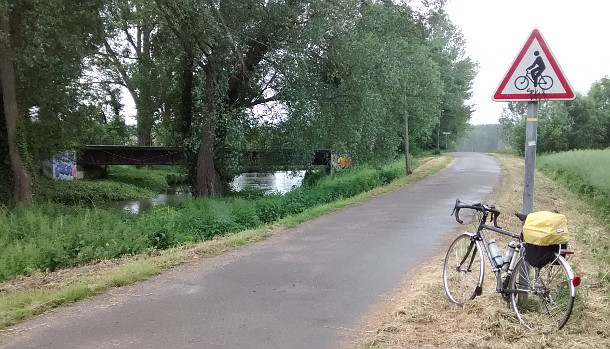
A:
[495,218]
[457,202]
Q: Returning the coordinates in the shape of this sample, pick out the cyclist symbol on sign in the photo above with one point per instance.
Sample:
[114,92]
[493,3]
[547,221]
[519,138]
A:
[534,74]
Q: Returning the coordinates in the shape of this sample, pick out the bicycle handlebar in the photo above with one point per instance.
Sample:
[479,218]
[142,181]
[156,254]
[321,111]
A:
[479,207]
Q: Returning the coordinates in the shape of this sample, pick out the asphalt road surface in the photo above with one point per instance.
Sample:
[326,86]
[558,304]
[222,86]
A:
[295,290]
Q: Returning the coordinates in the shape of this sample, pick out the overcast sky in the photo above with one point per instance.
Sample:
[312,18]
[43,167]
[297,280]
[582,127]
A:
[577,32]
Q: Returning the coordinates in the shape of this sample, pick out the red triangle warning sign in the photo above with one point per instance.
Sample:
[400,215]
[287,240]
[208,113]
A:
[534,75]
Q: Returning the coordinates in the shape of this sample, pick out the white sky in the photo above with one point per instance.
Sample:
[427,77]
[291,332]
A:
[577,32]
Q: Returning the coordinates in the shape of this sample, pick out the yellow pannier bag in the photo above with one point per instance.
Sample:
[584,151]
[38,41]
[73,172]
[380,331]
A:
[545,229]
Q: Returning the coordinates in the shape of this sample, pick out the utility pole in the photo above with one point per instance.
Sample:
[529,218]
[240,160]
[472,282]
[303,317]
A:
[407,159]
[438,129]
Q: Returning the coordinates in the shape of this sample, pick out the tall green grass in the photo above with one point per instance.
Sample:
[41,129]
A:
[157,179]
[121,183]
[87,192]
[583,171]
[48,236]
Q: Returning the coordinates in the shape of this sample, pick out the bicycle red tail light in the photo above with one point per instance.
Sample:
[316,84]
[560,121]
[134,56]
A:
[576,281]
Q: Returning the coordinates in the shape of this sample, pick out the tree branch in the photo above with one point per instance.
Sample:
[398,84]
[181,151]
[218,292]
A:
[104,82]
[121,70]
[130,39]
[256,102]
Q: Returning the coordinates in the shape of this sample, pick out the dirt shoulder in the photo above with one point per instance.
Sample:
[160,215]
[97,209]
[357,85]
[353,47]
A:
[417,314]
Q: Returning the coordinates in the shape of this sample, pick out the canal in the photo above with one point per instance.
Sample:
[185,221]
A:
[276,182]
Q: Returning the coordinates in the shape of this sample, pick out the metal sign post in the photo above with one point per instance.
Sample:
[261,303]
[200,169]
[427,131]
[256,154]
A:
[534,75]
[531,137]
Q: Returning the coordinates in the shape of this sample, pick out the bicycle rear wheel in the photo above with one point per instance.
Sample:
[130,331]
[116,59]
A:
[548,303]
[463,269]
[521,82]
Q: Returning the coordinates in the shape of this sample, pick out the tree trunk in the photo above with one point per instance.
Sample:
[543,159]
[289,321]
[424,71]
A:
[186,95]
[207,180]
[146,109]
[22,183]
[144,118]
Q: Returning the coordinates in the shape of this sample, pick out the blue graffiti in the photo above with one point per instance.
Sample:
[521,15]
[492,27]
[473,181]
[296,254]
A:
[64,169]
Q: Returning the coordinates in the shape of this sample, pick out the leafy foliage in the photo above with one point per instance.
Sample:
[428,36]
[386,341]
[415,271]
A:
[219,77]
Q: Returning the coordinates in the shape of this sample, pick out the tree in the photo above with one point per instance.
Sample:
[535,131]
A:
[457,72]
[22,183]
[127,58]
[243,50]
[372,74]
[43,45]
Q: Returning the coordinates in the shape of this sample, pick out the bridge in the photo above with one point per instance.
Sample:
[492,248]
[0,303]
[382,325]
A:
[100,155]
[93,157]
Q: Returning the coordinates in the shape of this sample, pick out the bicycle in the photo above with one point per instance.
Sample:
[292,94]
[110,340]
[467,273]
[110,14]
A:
[544,81]
[542,298]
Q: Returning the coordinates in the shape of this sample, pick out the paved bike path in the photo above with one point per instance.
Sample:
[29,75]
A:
[296,290]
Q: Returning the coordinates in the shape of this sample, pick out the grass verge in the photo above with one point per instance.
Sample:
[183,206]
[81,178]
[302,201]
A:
[52,236]
[27,296]
[418,313]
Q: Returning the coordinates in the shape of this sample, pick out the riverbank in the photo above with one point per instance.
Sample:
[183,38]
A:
[418,314]
[24,297]
[120,183]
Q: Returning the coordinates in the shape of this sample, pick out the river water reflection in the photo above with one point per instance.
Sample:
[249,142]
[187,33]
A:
[280,181]
[277,182]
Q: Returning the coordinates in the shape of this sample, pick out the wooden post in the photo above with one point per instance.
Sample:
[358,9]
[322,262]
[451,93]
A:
[407,159]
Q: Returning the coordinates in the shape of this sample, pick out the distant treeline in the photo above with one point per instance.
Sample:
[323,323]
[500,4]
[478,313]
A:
[482,138]
[583,123]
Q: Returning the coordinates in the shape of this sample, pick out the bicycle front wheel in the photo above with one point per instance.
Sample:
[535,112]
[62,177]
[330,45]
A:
[547,304]
[545,82]
[463,269]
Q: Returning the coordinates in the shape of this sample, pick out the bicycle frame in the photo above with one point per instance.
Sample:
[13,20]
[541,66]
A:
[482,243]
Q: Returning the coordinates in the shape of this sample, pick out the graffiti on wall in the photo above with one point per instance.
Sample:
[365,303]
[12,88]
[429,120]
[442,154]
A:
[340,162]
[61,166]
[345,162]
